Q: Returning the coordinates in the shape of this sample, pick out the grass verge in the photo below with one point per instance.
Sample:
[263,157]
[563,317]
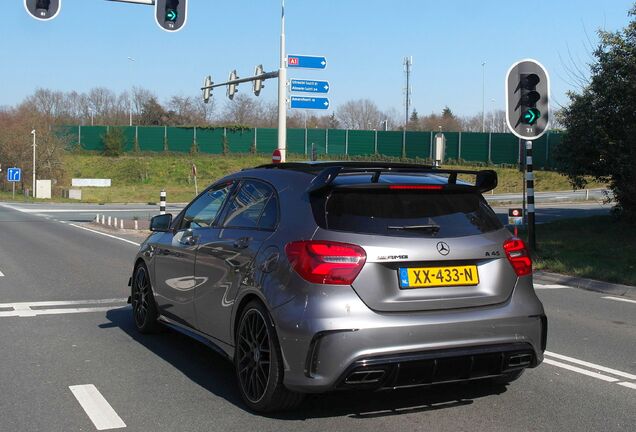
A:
[140,177]
[599,247]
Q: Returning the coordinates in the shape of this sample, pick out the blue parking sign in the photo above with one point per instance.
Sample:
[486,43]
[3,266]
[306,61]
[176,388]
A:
[14,174]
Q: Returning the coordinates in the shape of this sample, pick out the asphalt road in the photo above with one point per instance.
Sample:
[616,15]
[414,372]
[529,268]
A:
[66,328]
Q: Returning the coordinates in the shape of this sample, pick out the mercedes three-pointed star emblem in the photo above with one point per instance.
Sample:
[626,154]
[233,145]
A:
[443,248]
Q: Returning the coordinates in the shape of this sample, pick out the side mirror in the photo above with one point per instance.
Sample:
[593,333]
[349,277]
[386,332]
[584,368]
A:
[161,223]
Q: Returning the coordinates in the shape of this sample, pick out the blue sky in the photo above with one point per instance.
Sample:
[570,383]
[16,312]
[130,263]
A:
[88,44]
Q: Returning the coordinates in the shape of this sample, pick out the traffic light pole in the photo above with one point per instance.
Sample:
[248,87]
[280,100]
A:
[532,239]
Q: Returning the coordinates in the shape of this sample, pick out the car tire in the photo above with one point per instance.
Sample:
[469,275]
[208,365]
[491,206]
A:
[144,307]
[258,363]
[508,377]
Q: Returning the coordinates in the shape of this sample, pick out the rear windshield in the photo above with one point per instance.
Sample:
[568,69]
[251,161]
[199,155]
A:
[405,213]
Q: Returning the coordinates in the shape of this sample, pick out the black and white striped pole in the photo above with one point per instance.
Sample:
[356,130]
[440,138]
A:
[162,202]
[532,238]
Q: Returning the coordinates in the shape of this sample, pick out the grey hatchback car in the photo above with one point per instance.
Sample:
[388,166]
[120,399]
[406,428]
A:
[314,277]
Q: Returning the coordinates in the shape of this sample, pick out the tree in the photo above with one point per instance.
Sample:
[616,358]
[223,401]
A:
[152,113]
[601,121]
[360,114]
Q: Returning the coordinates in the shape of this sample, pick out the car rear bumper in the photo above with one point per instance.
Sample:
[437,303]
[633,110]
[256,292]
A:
[326,339]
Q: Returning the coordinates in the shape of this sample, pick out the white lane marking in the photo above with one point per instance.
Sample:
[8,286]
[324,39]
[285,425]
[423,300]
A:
[540,286]
[57,210]
[24,313]
[628,385]
[592,365]
[579,370]
[620,299]
[97,407]
[62,303]
[106,235]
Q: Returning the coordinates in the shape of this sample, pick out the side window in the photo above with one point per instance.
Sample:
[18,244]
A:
[204,209]
[269,217]
[247,205]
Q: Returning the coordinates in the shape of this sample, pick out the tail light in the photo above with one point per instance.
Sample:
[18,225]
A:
[325,262]
[518,256]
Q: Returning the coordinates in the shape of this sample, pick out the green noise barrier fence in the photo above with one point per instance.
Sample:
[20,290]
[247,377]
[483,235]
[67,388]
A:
[487,148]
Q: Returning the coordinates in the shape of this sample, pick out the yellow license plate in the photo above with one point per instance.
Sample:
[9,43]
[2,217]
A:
[430,277]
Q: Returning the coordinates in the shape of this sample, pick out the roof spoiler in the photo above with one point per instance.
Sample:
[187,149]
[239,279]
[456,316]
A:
[485,180]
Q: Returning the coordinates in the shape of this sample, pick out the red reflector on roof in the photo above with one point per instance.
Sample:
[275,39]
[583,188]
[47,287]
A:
[416,187]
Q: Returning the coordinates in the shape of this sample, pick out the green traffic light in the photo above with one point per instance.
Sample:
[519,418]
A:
[171,15]
[531,116]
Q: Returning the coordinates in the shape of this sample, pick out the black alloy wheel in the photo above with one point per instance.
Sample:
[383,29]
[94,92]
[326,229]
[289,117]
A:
[258,362]
[144,307]
[254,353]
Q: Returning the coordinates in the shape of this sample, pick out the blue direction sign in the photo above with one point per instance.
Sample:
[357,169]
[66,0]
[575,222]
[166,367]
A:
[309,86]
[316,103]
[306,62]
[14,174]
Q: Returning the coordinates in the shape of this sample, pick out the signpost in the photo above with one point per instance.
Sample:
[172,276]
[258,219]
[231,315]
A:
[309,86]
[14,175]
[315,103]
[515,218]
[306,62]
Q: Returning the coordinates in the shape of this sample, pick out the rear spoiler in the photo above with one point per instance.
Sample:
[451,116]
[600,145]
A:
[485,180]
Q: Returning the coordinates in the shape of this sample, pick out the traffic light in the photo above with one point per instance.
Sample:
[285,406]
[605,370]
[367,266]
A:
[527,99]
[171,15]
[43,10]
[207,90]
[231,88]
[258,83]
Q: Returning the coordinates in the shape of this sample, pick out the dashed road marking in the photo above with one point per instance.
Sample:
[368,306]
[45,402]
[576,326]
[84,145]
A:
[592,365]
[25,309]
[620,299]
[1,274]
[580,370]
[97,407]
[550,286]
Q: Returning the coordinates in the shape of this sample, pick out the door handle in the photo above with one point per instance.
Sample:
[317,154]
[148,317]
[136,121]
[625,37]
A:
[242,243]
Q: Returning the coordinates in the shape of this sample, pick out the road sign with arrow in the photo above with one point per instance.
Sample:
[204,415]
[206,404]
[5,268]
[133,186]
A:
[309,86]
[301,102]
[306,62]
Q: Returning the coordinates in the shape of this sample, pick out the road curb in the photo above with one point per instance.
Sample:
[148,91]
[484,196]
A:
[586,284]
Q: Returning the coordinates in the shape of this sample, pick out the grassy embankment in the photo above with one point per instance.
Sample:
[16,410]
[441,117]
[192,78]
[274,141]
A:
[600,247]
[139,178]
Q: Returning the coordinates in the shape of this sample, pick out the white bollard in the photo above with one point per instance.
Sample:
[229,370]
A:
[162,202]
[97,218]
[121,223]
[136,225]
[109,221]
[115,224]
[103,219]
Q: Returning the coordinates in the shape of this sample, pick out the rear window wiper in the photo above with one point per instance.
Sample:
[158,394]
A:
[428,227]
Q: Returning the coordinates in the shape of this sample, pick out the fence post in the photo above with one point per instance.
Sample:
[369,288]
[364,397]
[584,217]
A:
[194,137]
[459,148]
[136,143]
[490,147]
[376,142]
[79,135]
[404,142]
[326,141]
[255,140]
[347,142]
[306,141]
[430,147]
[165,138]
[547,148]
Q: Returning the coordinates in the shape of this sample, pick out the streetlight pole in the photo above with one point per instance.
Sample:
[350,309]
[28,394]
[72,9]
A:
[483,96]
[282,92]
[33,190]
[131,61]
[492,123]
